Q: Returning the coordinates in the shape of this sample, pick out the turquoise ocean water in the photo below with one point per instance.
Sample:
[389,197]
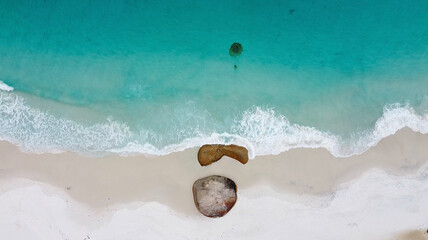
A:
[154,77]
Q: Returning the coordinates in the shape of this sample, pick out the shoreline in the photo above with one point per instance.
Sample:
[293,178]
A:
[274,134]
[310,177]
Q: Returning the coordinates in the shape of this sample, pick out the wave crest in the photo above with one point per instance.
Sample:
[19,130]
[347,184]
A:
[261,131]
[270,133]
[37,131]
[5,87]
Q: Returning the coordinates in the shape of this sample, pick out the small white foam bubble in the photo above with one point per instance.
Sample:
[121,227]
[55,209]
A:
[5,87]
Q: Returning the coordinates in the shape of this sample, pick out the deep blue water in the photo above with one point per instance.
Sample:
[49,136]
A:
[156,76]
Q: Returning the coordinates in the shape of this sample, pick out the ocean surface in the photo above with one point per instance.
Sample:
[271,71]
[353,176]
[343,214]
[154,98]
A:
[155,77]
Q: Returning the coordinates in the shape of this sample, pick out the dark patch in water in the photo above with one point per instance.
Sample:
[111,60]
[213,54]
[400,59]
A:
[236,49]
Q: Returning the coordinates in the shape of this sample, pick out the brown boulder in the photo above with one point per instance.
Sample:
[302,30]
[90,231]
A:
[214,196]
[208,154]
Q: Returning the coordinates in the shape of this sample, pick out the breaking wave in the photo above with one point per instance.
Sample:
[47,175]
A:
[261,131]
[5,87]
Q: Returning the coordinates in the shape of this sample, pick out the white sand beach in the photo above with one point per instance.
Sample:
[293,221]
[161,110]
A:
[299,194]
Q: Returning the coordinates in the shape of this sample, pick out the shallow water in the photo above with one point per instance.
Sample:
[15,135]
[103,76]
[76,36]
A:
[157,77]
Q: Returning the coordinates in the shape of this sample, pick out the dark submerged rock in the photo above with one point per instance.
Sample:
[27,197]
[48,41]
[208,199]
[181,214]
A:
[215,195]
[208,154]
[236,49]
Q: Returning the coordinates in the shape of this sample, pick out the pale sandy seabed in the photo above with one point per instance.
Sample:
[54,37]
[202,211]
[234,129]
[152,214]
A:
[299,194]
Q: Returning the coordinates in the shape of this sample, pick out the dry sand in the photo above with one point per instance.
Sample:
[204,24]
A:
[100,183]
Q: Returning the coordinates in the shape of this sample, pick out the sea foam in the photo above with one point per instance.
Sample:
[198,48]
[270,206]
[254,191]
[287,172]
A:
[37,131]
[261,131]
[5,87]
[271,133]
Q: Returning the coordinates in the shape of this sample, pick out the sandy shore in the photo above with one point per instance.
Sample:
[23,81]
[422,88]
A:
[299,182]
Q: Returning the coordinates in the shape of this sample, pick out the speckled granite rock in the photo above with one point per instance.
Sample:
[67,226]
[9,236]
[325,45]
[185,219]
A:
[214,195]
[208,154]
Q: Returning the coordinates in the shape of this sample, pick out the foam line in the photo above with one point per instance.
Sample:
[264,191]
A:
[261,131]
